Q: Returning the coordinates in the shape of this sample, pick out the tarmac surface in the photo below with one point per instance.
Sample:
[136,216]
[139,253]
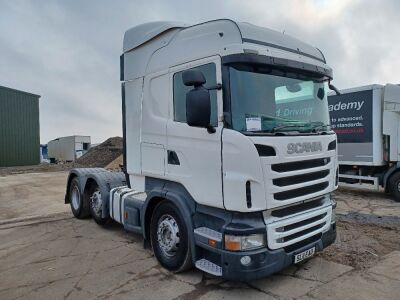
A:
[47,254]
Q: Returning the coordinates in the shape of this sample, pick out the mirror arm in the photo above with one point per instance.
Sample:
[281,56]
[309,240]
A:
[210,129]
[218,87]
[333,88]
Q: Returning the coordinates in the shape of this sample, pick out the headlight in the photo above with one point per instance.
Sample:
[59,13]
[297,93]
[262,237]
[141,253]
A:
[245,242]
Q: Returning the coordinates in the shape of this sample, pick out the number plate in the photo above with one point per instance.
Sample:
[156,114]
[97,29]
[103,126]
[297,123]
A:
[303,255]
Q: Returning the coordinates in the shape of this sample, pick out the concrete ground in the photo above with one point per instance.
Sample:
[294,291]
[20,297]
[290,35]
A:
[59,257]
[377,203]
[32,195]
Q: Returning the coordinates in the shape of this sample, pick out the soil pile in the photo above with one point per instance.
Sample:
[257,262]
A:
[103,154]
[116,164]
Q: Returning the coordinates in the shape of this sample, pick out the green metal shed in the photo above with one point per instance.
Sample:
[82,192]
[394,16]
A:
[19,128]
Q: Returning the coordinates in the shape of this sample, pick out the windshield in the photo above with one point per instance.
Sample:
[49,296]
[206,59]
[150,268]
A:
[271,101]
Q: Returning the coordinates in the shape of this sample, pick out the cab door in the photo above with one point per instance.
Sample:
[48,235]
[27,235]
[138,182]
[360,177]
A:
[194,154]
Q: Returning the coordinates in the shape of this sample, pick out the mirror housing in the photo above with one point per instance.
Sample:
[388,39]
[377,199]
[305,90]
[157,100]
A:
[198,102]
[193,78]
[198,107]
[333,88]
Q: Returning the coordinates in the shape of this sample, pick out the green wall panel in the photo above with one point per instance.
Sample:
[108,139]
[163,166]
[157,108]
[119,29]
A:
[19,128]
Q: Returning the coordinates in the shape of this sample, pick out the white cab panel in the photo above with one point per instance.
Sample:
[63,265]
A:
[133,116]
[153,159]
[241,163]
[155,108]
[198,151]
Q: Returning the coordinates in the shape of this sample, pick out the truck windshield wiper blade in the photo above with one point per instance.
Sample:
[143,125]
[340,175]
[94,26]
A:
[277,128]
[319,125]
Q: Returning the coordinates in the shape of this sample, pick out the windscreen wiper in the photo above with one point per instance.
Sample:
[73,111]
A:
[313,129]
[321,126]
[277,128]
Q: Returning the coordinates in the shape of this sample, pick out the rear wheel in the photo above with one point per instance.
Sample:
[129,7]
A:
[394,186]
[79,205]
[169,238]
[96,205]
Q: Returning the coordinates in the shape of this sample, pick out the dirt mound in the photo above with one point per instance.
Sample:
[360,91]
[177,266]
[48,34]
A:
[103,154]
[116,163]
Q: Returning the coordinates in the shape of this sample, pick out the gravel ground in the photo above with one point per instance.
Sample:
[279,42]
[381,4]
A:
[361,245]
[48,254]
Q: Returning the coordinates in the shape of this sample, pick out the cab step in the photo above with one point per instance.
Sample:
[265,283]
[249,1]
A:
[208,233]
[208,267]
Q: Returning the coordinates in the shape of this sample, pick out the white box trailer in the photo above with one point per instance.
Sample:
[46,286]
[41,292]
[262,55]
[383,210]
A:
[366,120]
[68,148]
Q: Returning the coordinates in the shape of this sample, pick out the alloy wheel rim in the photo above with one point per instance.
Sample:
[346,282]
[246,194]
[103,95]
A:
[168,235]
[96,203]
[75,198]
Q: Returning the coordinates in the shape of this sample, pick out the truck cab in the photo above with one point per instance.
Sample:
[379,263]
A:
[229,159]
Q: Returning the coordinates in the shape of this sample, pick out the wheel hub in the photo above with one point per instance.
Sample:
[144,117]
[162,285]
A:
[96,203]
[398,186]
[168,235]
[75,198]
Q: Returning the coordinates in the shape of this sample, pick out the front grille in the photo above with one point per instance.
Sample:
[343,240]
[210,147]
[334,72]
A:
[299,234]
[304,222]
[300,165]
[301,191]
[294,209]
[285,181]
[303,243]
[289,231]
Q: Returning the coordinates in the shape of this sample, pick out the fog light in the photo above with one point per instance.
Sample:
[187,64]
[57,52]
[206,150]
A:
[245,260]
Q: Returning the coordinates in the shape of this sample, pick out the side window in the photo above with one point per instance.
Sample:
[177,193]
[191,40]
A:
[180,90]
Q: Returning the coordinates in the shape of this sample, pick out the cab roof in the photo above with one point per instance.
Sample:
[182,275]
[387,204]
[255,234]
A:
[141,34]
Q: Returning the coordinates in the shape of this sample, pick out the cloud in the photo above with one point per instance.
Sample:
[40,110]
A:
[68,51]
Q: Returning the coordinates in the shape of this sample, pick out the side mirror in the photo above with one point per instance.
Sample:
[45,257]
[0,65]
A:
[333,88]
[198,102]
[193,78]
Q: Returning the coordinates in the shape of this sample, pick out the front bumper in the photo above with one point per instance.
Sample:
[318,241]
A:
[265,262]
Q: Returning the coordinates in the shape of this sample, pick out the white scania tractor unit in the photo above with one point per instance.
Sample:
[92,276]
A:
[229,160]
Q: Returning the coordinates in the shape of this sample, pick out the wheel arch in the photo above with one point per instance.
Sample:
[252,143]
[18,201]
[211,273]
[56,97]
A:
[89,183]
[177,195]
[105,180]
[393,170]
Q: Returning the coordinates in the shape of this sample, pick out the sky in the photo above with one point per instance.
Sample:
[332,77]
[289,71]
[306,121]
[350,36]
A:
[68,51]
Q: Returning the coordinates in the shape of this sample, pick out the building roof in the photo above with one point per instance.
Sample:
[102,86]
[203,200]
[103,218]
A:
[19,91]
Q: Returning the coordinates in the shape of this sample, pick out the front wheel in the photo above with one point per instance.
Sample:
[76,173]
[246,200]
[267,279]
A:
[394,186]
[169,238]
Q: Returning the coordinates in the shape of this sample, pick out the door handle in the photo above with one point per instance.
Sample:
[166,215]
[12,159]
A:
[173,158]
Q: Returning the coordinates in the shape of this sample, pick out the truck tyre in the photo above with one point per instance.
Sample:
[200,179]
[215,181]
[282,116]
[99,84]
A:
[96,205]
[394,186]
[169,238]
[79,205]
